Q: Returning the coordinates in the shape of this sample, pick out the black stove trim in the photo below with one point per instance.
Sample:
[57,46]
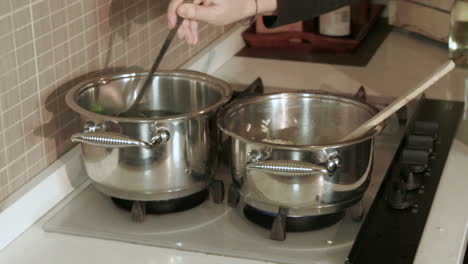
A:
[390,236]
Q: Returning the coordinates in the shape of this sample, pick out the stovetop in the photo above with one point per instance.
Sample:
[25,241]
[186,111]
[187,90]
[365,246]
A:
[221,230]
[210,228]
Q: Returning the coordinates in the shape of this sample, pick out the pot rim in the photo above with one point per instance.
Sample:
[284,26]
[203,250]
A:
[222,125]
[74,93]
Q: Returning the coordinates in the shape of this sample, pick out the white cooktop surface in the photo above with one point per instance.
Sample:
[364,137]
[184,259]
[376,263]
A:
[218,229]
[208,228]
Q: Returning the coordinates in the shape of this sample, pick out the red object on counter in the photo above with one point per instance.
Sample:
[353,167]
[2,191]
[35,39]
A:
[261,29]
[313,41]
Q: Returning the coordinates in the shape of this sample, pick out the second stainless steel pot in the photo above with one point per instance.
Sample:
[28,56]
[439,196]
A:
[285,154]
[168,151]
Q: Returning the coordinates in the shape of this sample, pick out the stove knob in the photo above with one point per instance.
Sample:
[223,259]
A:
[418,159]
[418,142]
[397,198]
[412,177]
[426,129]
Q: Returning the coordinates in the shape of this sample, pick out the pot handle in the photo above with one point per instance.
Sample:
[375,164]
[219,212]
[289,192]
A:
[294,168]
[115,140]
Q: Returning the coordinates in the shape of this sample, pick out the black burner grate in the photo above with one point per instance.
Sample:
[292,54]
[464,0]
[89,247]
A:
[293,224]
[167,206]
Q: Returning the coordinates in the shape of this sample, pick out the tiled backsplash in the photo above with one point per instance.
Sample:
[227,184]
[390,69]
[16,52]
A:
[46,46]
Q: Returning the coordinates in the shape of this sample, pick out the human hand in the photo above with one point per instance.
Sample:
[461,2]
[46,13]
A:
[215,12]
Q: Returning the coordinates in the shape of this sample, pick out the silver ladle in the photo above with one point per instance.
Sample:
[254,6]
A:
[131,109]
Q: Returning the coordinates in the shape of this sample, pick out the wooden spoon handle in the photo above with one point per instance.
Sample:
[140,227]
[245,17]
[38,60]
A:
[401,101]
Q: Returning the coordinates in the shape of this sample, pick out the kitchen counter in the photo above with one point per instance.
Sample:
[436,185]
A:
[400,63]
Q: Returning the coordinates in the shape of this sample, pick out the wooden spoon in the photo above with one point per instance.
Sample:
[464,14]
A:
[401,101]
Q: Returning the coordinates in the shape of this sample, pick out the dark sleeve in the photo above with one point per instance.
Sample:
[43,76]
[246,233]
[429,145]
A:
[290,11]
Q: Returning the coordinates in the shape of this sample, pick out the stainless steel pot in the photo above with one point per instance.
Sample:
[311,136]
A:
[168,151]
[285,154]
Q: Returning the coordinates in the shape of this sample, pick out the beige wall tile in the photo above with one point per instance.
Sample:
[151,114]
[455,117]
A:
[44,44]
[32,122]
[21,18]
[56,5]
[11,117]
[6,44]
[30,106]
[3,162]
[17,4]
[66,116]
[36,168]
[61,52]
[27,70]
[88,5]
[5,8]
[34,155]
[5,191]
[59,18]
[15,150]
[62,69]
[51,144]
[3,178]
[13,133]
[8,81]
[34,138]
[19,180]
[75,27]
[60,35]
[23,35]
[45,60]
[78,59]
[77,43]
[40,10]
[48,99]
[25,53]
[46,78]
[90,19]
[28,88]
[42,27]
[5,25]
[2,141]
[10,99]
[8,62]
[91,36]
[74,11]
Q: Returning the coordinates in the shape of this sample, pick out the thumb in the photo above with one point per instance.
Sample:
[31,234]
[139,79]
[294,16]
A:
[196,12]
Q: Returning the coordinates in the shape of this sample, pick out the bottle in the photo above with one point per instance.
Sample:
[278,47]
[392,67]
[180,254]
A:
[458,39]
[336,23]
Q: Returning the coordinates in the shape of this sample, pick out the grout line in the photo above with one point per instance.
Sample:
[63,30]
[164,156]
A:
[42,141]
[98,30]
[17,76]
[84,30]
[35,64]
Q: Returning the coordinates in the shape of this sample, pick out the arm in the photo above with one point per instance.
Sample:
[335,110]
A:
[215,12]
[290,11]
[222,12]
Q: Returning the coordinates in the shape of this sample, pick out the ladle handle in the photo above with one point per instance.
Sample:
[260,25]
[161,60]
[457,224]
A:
[401,101]
[157,61]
